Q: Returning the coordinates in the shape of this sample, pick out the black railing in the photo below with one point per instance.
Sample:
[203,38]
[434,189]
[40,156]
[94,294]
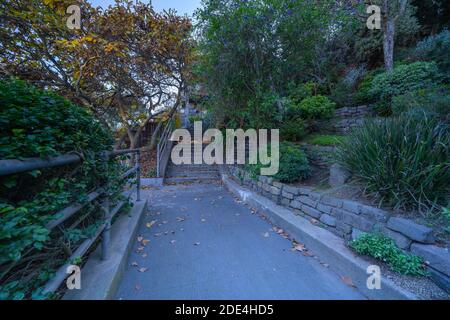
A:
[14,166]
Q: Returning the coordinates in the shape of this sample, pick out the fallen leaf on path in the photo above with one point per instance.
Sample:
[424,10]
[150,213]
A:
[196,243]
[266,235]
[157,234]
[140,249]
[348,281]
[142,270]
[134,264]
[140,238]
[173,241]
[299,247]
[144,255]
[145,242]
[150,224]
[181,219]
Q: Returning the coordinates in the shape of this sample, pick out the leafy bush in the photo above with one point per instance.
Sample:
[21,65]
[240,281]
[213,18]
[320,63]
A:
[293,167]
[316,107]
[343,94]
[402,159]
[34,123]
[435,48]
[302,91]
[435,101]
[324,140]
[293,130]
[363,92]
[404,78]
[384,249]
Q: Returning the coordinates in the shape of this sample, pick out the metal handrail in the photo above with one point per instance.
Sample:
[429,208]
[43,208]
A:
[14,166]
[162,145]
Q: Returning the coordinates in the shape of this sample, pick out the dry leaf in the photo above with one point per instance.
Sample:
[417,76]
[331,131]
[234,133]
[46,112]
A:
[150,224]
[140,249]
[299,247]
[145,242]
[140,238]
[181,219]
[144,255]
[157,234]
[306,253]
[348,281]
[134,264]
[266,235]
[142,270]
[173,241]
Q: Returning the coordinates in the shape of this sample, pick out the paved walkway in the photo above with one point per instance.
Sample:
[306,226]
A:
[206,245]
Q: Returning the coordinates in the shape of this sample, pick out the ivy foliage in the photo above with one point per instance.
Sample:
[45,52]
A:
[36,123]
[383,248]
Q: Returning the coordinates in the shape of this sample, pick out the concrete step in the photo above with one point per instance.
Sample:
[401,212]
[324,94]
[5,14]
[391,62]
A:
[189,180]
[194,166]
[193,174]
[172,171]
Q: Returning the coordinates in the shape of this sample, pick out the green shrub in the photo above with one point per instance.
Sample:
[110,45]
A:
[293,167]
[35,123]
[302,91]
[404,160]
[435,48]
[404,78]
[324,140]
[435,101]
[363,95]
[316,107]
[343,95]
[382,248]
[293,130]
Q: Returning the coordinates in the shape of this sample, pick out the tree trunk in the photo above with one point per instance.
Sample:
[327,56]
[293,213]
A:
[388,44]
[120,141]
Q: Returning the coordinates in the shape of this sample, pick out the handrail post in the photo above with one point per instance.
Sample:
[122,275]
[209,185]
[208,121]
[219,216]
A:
[106,234]
[105,207]
[158,154]
[138,175]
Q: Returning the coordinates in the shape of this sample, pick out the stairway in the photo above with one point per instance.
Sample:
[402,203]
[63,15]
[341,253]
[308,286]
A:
[187,173]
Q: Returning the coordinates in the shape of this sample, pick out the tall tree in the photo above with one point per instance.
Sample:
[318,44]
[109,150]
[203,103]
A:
[126,63]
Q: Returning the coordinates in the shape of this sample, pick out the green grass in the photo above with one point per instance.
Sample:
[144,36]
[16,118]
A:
[324,140]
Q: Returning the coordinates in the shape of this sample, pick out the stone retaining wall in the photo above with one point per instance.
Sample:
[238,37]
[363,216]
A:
[349,118]
[320,156]
[348,219]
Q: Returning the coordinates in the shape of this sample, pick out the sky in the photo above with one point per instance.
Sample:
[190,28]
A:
[181,6]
